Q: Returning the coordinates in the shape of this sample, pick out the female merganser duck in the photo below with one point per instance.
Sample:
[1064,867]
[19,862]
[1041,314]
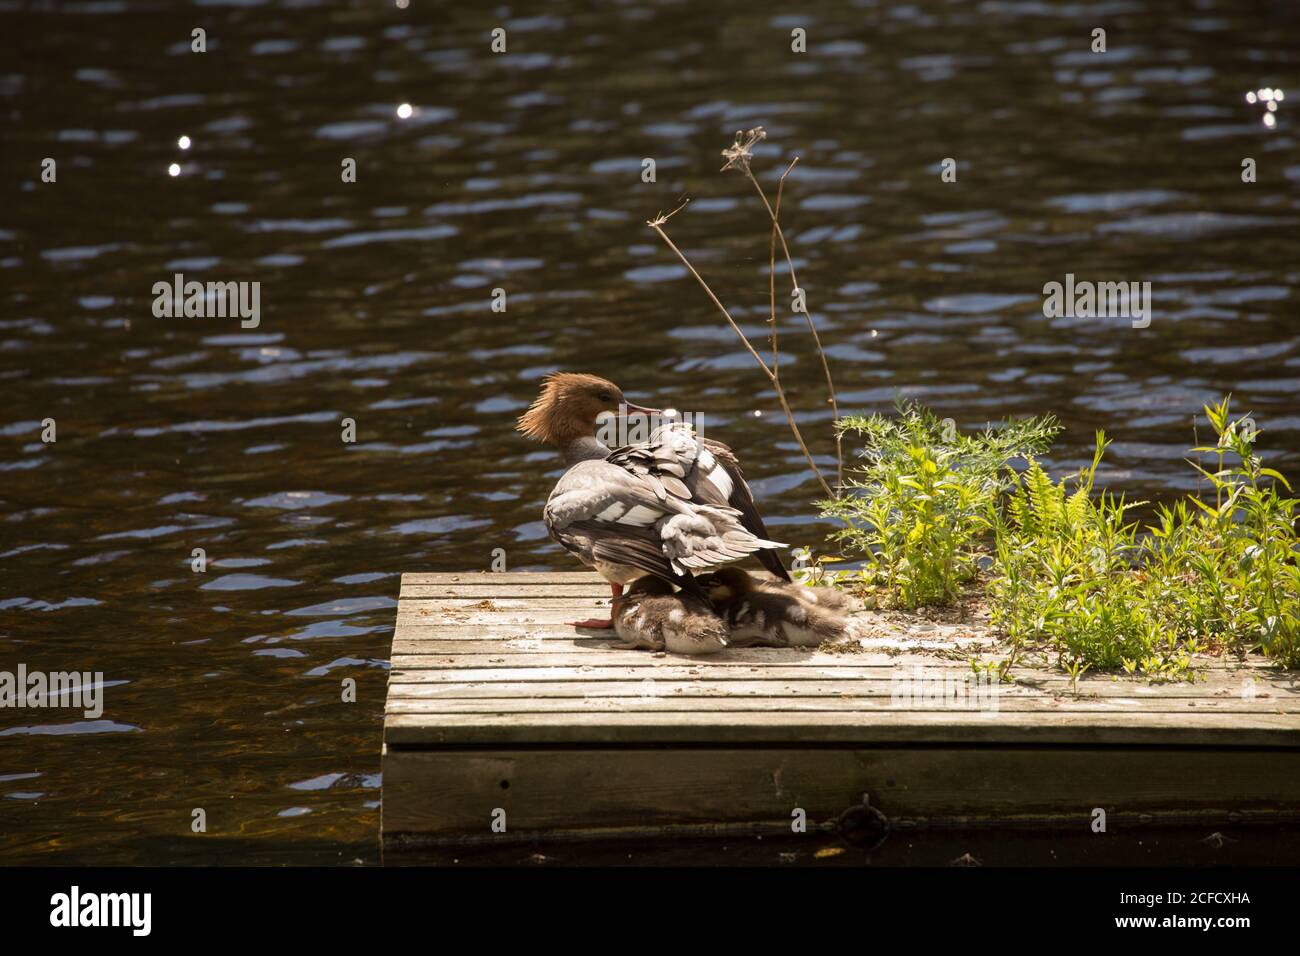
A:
[669,507]
[772,613]
[652,615]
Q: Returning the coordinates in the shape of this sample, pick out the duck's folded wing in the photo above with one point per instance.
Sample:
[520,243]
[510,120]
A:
[692,468]
[631,547]
[605,492]
[604,511]
[739,496]
[703,471]
[707,537]
[664,462]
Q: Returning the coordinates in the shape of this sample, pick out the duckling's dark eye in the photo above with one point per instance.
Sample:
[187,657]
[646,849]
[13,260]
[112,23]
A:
[606,397]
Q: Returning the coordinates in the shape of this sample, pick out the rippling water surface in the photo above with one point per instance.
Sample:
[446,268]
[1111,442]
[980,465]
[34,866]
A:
[522,171]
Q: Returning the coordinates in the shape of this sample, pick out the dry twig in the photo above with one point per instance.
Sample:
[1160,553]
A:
[738,156]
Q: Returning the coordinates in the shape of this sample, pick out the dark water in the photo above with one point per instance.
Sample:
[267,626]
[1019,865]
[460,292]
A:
[522,171]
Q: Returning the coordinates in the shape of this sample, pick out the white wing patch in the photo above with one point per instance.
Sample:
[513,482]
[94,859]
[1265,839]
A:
[641,516]
[716,474]
[637,515]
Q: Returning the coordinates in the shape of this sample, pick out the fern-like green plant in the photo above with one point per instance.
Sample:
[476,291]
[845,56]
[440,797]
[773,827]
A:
[918,507]
[1070,567]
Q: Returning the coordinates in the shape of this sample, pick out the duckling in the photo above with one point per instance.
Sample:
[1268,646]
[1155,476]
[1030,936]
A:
[651,615]
[771,613]
[830,598]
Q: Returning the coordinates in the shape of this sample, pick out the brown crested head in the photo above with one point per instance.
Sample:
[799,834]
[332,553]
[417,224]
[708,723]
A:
[567,407]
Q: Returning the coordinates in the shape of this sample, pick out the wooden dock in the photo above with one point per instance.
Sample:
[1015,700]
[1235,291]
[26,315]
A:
[503,723]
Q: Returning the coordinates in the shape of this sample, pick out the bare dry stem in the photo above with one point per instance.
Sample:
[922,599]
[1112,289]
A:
[778,232]
[657,224]
[738,156]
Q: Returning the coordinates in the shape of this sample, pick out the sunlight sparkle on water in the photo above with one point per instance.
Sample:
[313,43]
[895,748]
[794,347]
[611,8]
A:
[174,169]
[1269,96]
[404,111]
[183,142]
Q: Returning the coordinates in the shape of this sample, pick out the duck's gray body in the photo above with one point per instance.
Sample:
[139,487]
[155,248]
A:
[670,507]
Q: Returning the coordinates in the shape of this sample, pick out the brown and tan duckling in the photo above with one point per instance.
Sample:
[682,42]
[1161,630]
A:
[771,613]
[830,598]
[651,615]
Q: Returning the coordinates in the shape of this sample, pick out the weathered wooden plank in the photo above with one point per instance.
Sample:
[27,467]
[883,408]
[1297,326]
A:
[539,648]
[1104,709]
[541,790]
[666,671]
[429,626]
[472,616]
[428,630]
[545,669]
[399,685]
[449,619]
[478,590]
[642,658]
[739,683]
[638,665]
[411,639]
[536,649]
[411,632]
[883,727]
[459,605]
[505,577]
[525,652]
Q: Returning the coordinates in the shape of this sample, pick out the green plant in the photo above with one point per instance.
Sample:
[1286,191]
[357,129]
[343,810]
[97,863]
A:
[1070,568]
[1063,570]
[1251,529]
[919,505]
